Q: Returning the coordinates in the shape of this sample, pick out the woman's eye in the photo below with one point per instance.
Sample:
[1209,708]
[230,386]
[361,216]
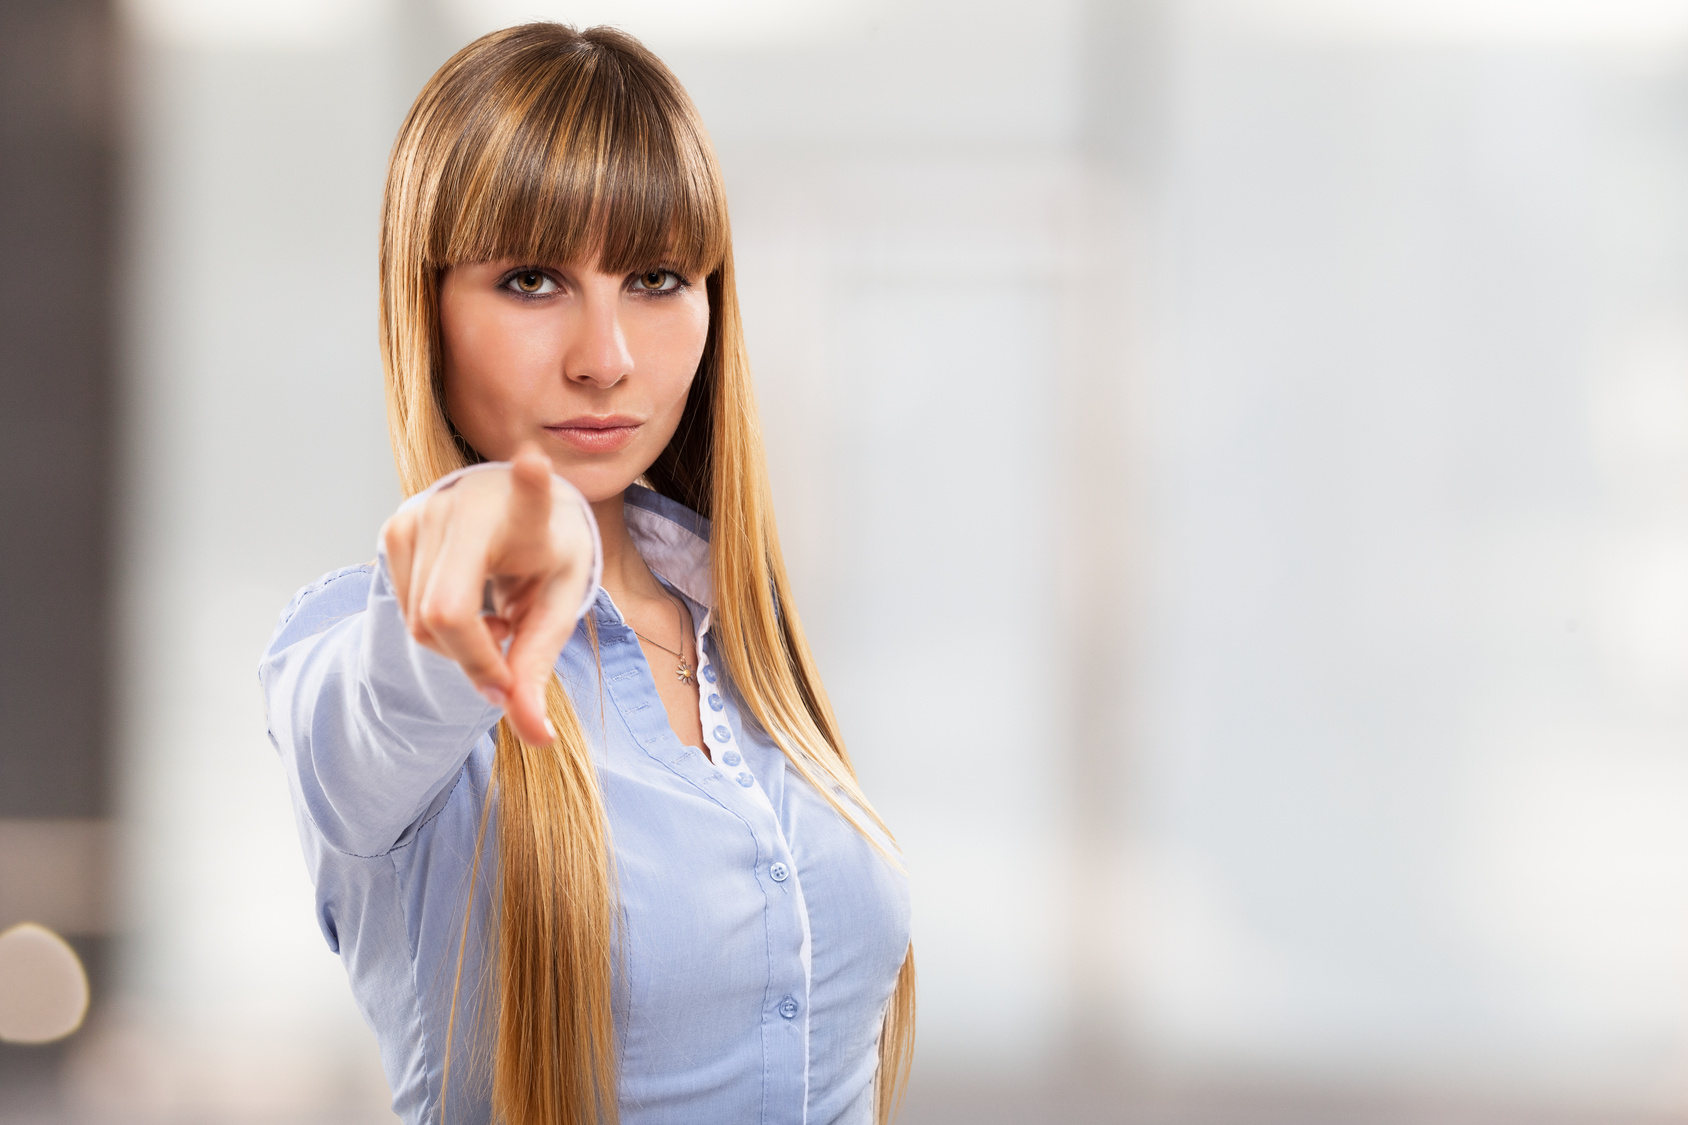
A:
[659,281]
[530,283]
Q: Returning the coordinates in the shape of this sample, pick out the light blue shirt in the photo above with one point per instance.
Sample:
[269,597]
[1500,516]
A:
[760,936]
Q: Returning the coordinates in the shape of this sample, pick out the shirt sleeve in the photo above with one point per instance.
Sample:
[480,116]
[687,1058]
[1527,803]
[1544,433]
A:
[370,725]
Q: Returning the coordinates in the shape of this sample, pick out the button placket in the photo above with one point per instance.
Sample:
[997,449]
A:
[723,745]
[736,745]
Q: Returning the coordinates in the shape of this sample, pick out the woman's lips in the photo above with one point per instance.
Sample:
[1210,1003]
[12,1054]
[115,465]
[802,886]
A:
[597,435]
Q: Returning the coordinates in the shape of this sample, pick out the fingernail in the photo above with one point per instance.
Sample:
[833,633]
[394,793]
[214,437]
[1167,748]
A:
[495,697]
[550,731]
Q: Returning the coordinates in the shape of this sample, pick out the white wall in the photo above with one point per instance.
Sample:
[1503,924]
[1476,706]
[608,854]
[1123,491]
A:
[255,460]
[1410,801]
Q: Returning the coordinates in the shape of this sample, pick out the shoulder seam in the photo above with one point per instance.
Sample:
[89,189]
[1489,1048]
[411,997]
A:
[319,585]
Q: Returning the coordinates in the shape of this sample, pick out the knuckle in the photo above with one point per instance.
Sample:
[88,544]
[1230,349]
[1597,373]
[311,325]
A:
[441,613]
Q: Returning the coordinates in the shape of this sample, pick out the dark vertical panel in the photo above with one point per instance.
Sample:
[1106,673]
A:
[57,164]
[57,212]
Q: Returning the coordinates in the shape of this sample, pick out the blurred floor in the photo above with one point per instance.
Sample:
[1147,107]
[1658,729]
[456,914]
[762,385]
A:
[953,1100]
[941,1102]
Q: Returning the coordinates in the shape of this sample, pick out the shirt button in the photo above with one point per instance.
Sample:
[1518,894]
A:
[788,1008]
[709,672]
[731,758]
[715,701]
[722,734]
[779,871]
[746,780]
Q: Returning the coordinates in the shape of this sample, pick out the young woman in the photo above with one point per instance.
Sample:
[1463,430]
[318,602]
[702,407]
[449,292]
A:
[580,821]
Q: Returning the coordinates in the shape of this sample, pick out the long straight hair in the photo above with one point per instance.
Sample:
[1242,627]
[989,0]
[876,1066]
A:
[541,143]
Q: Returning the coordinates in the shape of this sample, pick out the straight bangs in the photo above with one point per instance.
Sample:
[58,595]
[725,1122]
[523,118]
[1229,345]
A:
[580,146]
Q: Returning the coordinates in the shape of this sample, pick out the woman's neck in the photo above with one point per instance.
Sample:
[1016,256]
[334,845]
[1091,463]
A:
[626,576]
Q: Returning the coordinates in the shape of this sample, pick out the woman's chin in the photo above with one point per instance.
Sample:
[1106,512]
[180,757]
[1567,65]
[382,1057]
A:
[602,476]
[599,482]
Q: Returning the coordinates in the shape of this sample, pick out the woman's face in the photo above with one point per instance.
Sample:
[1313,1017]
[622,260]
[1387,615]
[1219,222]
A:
[593,366]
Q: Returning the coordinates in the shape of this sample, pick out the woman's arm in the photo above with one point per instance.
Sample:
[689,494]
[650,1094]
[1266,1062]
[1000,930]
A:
[375,706]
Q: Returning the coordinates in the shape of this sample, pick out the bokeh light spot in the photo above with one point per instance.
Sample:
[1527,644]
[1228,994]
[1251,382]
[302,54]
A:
[43,988]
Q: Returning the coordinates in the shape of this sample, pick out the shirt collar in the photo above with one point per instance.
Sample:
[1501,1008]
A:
[673,540]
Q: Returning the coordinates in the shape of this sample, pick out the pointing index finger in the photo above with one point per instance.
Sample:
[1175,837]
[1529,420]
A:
[530,496]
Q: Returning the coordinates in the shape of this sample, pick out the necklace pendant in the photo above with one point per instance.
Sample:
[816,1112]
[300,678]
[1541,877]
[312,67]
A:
[686,673]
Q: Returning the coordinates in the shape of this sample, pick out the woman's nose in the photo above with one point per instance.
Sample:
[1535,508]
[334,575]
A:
[599,354]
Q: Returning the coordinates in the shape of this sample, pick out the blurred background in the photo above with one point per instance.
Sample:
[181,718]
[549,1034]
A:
[1233,457]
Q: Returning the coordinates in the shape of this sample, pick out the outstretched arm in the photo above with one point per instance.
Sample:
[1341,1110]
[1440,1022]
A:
[375,704]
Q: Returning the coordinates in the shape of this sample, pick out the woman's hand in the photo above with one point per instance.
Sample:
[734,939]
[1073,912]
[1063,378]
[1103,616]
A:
[511,529]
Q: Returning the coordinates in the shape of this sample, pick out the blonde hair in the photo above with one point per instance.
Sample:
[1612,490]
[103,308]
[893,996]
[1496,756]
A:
[543,143]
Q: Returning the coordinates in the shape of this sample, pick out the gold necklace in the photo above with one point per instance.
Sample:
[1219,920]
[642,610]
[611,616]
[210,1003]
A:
[685,672]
